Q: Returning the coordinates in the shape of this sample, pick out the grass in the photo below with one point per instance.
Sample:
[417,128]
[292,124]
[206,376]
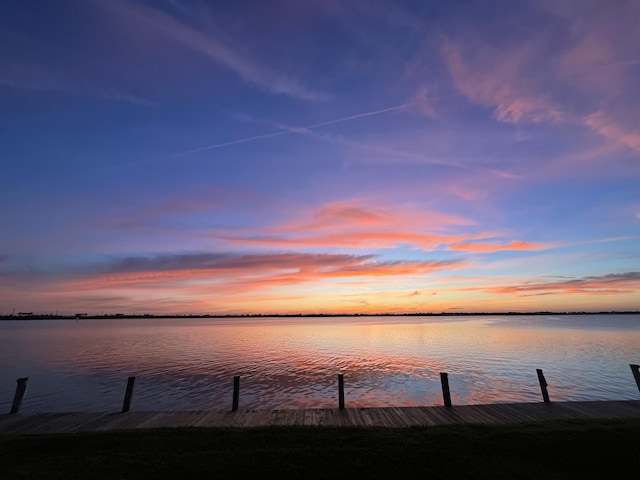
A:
[553,450]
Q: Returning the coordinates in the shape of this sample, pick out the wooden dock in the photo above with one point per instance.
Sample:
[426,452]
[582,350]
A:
[391,417]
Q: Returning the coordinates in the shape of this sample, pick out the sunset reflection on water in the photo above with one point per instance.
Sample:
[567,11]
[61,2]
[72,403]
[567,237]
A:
[189,364]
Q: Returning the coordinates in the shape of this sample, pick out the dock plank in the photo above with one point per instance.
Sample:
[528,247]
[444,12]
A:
[388,417]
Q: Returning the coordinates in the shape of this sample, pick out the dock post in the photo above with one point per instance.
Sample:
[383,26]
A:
[446,394]
[636,374]
[341,391]
[543,386]
[128,395]
[21,387]
[236,393]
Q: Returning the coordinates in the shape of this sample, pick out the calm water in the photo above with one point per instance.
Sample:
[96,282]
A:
[189,364]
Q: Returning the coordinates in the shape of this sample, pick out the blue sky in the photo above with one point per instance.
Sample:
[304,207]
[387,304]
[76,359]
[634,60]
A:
[190,156]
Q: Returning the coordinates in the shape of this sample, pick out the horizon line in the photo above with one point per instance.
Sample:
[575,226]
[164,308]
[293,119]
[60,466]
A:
[29,315]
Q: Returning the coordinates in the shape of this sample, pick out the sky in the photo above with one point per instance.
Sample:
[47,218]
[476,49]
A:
[319,156]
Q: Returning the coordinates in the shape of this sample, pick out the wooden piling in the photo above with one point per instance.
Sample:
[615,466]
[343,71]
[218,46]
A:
[636,374]
[128,395]
[236,393]
[341,391]
[543,386]
[446,394]
[21,388]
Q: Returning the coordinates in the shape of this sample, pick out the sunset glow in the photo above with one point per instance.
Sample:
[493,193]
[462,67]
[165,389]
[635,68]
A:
[319,156]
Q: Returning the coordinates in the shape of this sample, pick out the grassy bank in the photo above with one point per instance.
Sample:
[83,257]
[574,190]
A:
[576,449]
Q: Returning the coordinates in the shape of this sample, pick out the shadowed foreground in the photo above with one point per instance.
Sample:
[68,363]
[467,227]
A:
[552,450]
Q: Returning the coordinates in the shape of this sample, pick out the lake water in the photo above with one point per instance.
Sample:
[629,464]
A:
[189,364]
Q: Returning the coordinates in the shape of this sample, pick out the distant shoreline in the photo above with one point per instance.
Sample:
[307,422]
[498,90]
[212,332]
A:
[297,315]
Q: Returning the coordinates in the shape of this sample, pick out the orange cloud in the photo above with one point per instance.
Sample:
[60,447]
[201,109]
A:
[361,240]
[488,248]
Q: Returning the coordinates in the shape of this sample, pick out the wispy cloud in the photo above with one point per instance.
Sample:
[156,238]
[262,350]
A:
[225,53]
[612,284]
[213,282]
[207,273]
[534,78]
[603,46]
[135,213]
[40,78]
[500,81]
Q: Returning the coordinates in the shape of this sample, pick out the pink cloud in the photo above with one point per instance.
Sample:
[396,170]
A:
[537,78]
[359,224]
[362,213]
[604,40]
[603,125]
[348,212]
[471,194]
[602,63]
[499,80]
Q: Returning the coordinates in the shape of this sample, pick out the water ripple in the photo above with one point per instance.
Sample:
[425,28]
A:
[190,364]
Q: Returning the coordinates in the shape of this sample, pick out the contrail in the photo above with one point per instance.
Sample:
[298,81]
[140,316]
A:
[360,115]
[233,142]
[286,131]
[200,149]
[290,130]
